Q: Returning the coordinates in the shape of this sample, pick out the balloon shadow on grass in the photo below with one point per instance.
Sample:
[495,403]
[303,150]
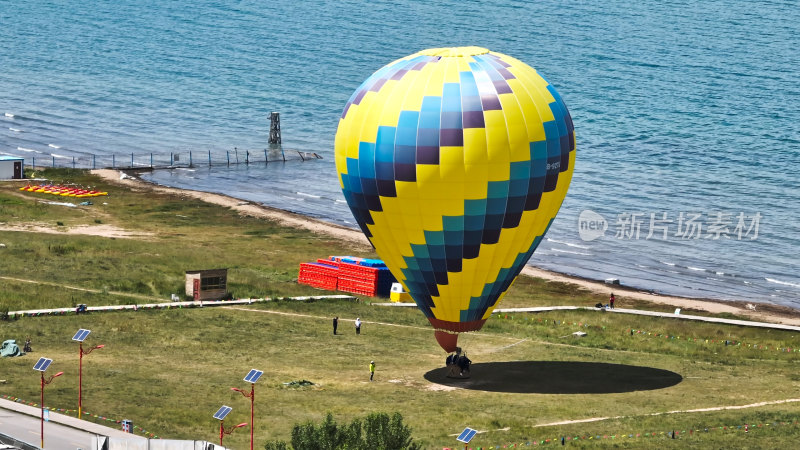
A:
[558,377]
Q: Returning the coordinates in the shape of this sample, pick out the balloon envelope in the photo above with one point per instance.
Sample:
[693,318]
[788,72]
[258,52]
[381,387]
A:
[454,162]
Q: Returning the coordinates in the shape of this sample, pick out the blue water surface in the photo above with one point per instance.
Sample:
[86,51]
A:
[679,107]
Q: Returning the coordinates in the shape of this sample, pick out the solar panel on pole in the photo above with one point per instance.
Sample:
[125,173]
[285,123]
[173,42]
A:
[223,411]
[81,335]
[42,364]
[253,375]
[466,435]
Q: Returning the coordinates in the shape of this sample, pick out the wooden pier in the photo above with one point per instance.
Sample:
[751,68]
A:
[173,160]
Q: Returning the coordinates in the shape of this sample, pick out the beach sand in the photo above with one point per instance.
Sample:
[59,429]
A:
[754,311]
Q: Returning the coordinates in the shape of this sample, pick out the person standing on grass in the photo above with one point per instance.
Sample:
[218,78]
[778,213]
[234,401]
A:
[611,300]
[371,370]
[335,324]
[358,325]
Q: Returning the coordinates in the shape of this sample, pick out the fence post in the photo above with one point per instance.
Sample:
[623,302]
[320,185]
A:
[228,155]
[209,158]
[247,157]
[33,164]
[283,154]
[236,151]
[151,160]
[94,161]
[113,160]
[54,161]
[131,160]
[266,158]
[171,159]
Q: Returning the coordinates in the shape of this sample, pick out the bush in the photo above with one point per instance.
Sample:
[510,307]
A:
[378,431]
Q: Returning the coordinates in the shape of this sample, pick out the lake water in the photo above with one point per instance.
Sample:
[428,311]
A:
[687,114]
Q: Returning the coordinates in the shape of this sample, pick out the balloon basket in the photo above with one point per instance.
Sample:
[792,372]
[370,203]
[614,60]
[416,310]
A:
[455,372]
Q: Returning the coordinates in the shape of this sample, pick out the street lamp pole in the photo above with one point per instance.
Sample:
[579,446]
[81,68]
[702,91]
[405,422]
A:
[41,366]
[223,431]
[79,337]
[80,374]
[252,397]
[251,378]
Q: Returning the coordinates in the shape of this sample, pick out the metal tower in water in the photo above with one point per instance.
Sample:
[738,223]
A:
[274,128]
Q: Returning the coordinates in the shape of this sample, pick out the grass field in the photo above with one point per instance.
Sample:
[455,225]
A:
[170,370]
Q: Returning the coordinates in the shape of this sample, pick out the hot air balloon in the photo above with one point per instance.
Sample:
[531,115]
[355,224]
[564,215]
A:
[454,162]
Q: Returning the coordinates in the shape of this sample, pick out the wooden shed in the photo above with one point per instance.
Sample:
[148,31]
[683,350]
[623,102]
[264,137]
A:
[211,284]
[12,167]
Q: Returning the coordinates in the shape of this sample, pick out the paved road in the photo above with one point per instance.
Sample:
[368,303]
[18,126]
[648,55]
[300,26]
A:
[62,432]
[57,437]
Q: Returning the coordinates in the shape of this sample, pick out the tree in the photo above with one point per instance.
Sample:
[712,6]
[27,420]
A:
[384,433]
[378,431]
[277,445]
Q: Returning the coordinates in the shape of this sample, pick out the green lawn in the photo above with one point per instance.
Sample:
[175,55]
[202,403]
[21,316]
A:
[170,370]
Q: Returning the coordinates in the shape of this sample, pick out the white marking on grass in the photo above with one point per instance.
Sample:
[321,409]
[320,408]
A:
[511,345]
[441,387]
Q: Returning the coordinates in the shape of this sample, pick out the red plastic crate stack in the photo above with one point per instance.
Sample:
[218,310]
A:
[320,275]
[348,274]
[358,279]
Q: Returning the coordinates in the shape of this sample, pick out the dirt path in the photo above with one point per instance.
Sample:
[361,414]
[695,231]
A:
[74,288]
[108,231]
[680,411]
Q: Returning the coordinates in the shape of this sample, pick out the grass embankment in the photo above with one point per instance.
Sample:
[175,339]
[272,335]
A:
[169,370]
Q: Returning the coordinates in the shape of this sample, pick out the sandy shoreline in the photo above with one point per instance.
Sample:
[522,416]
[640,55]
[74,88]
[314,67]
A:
[755,311]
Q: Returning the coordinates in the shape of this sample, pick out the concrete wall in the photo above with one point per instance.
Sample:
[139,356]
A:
[7,168]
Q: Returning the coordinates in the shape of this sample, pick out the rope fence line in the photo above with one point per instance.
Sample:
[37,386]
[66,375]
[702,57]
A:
[725,342]
[14,315]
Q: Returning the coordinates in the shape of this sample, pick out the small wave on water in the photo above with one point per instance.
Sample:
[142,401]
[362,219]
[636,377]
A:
[9,115]
[699,269]
[53,146]
[568,244]
[783,283]
[303,194]
[15,130]
[569,252]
